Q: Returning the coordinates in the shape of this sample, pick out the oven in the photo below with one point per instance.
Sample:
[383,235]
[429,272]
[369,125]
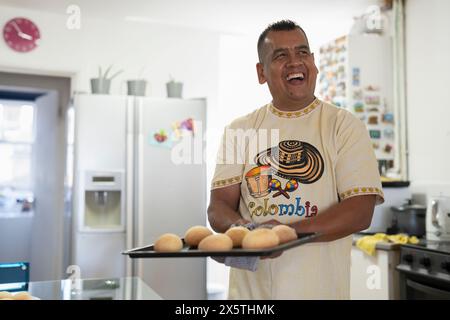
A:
[424,272]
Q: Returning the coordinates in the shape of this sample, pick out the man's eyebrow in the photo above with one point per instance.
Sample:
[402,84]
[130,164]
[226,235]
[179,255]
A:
[300,47]
[278,50]
[303,46]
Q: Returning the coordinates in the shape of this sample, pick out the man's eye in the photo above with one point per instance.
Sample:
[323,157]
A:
[280,55]
[304,52]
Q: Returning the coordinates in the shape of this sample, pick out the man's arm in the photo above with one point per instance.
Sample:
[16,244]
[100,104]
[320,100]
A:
[340,220]
[223,208]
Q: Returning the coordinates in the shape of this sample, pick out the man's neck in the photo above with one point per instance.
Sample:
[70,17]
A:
[293,106]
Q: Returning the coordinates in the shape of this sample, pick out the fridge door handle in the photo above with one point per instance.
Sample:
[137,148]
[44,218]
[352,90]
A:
[130,242]
[138,179]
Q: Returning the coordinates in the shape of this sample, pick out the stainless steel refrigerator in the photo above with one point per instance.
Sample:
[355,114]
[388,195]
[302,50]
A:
[138,173]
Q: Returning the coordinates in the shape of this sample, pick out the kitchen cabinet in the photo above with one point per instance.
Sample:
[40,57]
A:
[374,277]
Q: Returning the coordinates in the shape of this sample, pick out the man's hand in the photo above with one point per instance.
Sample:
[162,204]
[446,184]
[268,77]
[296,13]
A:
[240,222]
[272,222]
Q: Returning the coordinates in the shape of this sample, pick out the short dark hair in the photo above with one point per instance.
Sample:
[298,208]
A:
[282,25]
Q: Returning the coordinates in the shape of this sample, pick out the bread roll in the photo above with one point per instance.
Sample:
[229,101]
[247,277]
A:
[285,233]
[168,242]
[237,234]
[22,296]
[5,295]
[196,234]
[216,242]
[260,239]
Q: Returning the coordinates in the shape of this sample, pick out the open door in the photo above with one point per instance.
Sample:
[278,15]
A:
[47,238]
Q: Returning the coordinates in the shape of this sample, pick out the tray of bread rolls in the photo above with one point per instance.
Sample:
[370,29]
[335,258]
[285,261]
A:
[199,241]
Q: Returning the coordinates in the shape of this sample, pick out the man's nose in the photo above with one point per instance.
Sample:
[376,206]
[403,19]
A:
[294,60]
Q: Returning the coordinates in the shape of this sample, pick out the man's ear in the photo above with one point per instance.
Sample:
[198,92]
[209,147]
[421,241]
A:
[315,66]
[260,70]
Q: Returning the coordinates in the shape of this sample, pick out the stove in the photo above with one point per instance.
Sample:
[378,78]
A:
[425,270]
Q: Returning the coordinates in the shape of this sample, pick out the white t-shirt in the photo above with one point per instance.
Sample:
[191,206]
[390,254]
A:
[293,166]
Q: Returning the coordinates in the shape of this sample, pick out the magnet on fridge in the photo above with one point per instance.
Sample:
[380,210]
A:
[388,118]
[387,148]
[376,145]
[183,127]
[358,107]
[372,100]
[357,94]
[372,88]
[373,109]
[375,134]
[356,77]
[388,133]
[160,138]
[373,120]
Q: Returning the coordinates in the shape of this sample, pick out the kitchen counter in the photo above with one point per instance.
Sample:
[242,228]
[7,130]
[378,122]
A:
[128,288]
[382,245]
[373,277]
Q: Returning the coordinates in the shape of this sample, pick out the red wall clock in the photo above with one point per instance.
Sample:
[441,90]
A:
[21,34]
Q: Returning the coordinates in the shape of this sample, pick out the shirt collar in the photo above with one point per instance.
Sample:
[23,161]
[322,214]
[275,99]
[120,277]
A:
[294,114]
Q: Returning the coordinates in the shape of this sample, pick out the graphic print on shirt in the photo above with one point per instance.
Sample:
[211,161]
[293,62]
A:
[280,171]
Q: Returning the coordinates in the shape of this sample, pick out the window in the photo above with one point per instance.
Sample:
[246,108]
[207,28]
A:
[16,148]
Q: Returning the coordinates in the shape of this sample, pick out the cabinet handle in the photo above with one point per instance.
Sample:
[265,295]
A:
[441,294]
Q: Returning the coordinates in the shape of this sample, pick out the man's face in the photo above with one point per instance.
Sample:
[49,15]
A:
[288,68]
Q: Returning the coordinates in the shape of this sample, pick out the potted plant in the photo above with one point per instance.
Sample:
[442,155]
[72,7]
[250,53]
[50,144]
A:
[102,84]
[174,88]
[136,87]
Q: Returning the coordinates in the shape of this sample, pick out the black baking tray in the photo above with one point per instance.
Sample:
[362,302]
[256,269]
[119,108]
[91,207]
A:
[186,252]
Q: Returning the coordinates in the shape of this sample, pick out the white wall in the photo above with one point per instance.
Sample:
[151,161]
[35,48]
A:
[189,55]
[428,95]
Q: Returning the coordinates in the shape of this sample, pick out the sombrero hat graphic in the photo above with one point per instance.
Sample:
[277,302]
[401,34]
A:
[293,159]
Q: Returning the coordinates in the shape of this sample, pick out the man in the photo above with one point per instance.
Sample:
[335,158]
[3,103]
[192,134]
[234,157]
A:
[320,175]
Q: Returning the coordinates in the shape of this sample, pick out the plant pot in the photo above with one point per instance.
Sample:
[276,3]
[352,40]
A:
[100,85]
[174,89]
[136,87]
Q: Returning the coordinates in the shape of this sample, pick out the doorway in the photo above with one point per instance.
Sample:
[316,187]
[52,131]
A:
[35,220]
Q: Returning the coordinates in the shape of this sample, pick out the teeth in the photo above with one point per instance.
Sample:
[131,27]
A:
[295,75]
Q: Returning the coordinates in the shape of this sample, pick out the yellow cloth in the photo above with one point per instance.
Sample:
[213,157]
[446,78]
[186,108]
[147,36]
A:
[368,243]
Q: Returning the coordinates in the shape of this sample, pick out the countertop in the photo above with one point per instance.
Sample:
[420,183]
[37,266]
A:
[127,288]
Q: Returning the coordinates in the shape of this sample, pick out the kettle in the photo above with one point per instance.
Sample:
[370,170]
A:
[438,219]
[409,218]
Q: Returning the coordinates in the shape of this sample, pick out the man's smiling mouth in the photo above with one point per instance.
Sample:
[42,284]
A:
[295,78]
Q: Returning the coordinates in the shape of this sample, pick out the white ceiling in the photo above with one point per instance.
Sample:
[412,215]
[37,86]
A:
[236,16]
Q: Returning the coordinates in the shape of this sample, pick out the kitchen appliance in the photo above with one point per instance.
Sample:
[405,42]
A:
[102,207]
[409,218]
[138,173]
[357,72]
[438,218]
[425,271]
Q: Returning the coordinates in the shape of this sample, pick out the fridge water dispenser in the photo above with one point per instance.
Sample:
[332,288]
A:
[102,201]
